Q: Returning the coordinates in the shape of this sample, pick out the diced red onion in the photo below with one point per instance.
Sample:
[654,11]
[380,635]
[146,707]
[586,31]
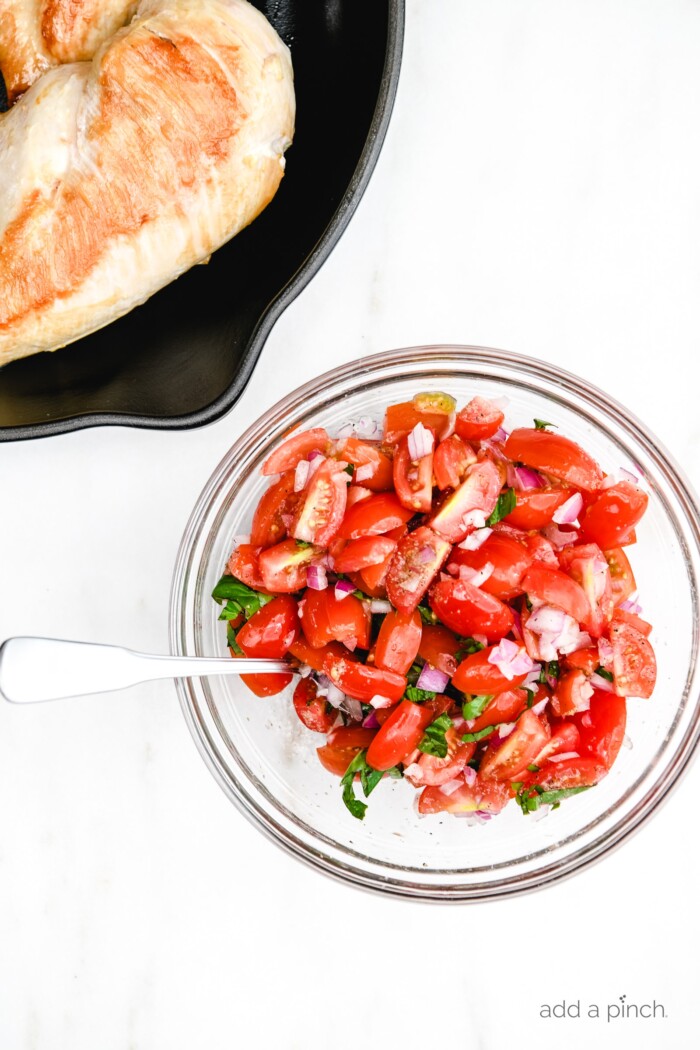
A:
[474,519]
[346,430]
[304,670]
[314,464]
[598,682]
[547,619]
[539,707]
[420,442]
[575,641]
[483,815]
[450,787]
[626,742]
[629,476]
[241,538]
[448,429]
[569,511]
[505,729]
[380,605]
[367,428]
[353,708]
[287,520]
[481,639]
[524,479]
[363,473]
[378,701]
[631,606]
[495,450]
[350,644]
[316,578]
[517,626]
[584,698]
[343,588]
[562,756]
[314,455]
[476,539]
[432,679]
[476,576]
[560,538]
[551,680]
[501,402]
[510,658]
[605,651]
[533,678]
[370,721]
[501,435]
[469,774]
[335,696]
[414,773]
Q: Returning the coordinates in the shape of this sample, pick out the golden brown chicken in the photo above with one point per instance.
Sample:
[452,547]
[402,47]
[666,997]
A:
[119,173]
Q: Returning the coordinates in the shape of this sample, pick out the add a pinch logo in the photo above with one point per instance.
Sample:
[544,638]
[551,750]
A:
[621,1009]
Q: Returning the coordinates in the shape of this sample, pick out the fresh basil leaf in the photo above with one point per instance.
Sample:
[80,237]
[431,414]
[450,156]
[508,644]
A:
[369,778]
[475,706]
[468,646]
[414,674]
[529,802]
[427,615]
[230,611]
[530,696]
[417,696]
[550,668]
[532,768]
[229,588]
[607,675]
[232,642]
[505,504]
[469,738]
[553,798]
[540,424]
[434,742]
[350,469]
[303,544]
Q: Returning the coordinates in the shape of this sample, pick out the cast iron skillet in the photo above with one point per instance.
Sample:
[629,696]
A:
[184,357]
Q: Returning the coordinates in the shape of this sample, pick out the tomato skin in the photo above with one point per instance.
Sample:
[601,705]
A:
[283,567]
[565,737]
[398,641]
[361,454]
[534,508]
[556,455]
[505,707]
[439,647]
[602,727]
[623,616]
[556,588]
[510,560]
[271,630]
[314,711]
[306,653]
[517,751]
[374,516]
[475,498]
[336,759]
[363,681]
[401,733]
[634,663]
[322,509]
[433,770]
[414,564]
[622,579]
[294,449]
[570,694]
[480,419]
[351,737]
[413,480]
[587,565]
[610,519]
[450,462]
[586,660]
[360,554]
[571,773]
[264,684]
[400,419]
[268,527]
[325,619]
[485,796]
[477,677]
[244,564]
[468,610]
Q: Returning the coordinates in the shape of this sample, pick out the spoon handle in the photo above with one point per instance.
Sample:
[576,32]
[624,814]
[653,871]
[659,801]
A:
[36,669]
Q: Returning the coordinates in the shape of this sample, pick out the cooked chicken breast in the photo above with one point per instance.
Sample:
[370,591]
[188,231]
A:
[117,175]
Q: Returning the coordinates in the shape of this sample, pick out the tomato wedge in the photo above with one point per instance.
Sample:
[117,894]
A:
[283,567]
[610,520]
[479,420]
[556,455]
[244,564]
[413,479]
[363,681]
[450,462]
[360,554]
[439,647]
[483,796]
[622,579]
[634,663]
[325,618]
[294,449]
[509,560]
[416,561]
[372,466]
[430,769]
[401,733]
[517,751]
[271,630]
[556,588]
[400,420]
[313,710]
[268,525]
[319,517]
[535,508]
[587,565]
[505,707]
[602,727]
[468,507]
[398,641]
[572,694]
[477,677]
[469,610]
[374,516]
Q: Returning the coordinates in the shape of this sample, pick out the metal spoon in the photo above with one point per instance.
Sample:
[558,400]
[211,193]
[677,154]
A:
[36,669]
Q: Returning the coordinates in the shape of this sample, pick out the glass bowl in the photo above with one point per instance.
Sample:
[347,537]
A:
[265,759]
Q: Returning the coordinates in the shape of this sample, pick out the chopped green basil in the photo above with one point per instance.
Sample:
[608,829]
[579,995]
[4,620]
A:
[550,668]
[303,544]
[607,675]
[414,673]
[350,469]
[475,706]
[369,778]
[468,646]
[433,742]
[231,640]
[427,615]
[540,424]
[470,738]
[530,695]
[417,696]
[234,592]
[529,802]
[505,504]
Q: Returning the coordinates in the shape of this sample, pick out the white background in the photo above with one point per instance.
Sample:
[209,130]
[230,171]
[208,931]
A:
[539,190]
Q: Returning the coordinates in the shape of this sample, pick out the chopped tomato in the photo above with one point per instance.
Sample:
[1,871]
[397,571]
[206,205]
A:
[469,610]
[401,419]
[622,578]
[283,567]
[319,517]
[534,508]
[268,525]
[264,684]
[336,759]
[572,694]
[294,449]
[587,565]
[624,616]
[373,467]
[374,516]
[505,707]
[477,677]
[245,566]
[452,457]
[565,737]
[556,588]
[363,681]
[271,630]
[587,659]
[401,733]
[325,618]
[434,770]
[517,751]
[479,420]
[483,796]
[360,554]
[398,641]
[508,558]
[602,728]
[439,647]
[570,773]
[468,507]
[556,455]
[612,517]
[413,479]
[416,561]
[306,654]
[313,710]
[351,736]
[634,663]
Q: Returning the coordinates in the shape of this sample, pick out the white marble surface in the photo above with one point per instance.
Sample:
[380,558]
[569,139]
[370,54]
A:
[539,190]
